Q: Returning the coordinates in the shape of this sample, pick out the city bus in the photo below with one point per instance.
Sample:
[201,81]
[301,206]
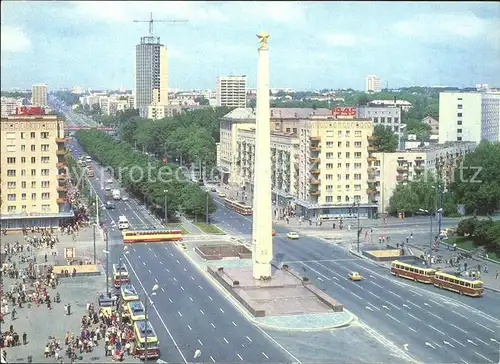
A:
[123,223]
[120,275]
[148,236]
[136,311]
[469,287]
[238,206]
[128,293]
[144,330]
[418,274]
[90,172]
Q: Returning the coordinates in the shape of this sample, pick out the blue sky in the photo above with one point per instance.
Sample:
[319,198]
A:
[313,45]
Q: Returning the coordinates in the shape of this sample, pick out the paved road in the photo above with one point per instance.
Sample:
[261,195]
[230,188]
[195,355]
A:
[193,313]
[435,326]
[73,119]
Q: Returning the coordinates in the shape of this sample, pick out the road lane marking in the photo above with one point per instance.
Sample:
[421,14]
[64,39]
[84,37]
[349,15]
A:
[192,278]
[485,358]
[432,327]
[168,271]
[185,270]
[439,346]
[376,284]
[200,342]
[191,298]
[202,312]
[487,328]
[458,328]
[149,270]
[437,303]
[393,305]
[375,307]
[458,342]
[335,278]
[180,314]
[248,338]
[426,304]
[162,289]
[412,329]
[415,318]
[433,314]
[418,294]
[394,294]
[156,280]
[178,261]
[233,323]
[373,294]
[189,327]
[239,356]
[471,342]
[175,279]
[182,288]
[355,295]
[150,249]
[315,271]
[161,262]
[478,339]
[265,355]
[227,342]
[221,310]
[170,300]
[212,359]
[459,314]
[392,317]
[200,287]
[213,325]
[447,343]
[210,297]
[143,263]
[414,304]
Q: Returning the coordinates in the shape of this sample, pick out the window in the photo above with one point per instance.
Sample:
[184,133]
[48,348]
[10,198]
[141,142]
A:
[11,197]
[339,177]
[347,199]
[459,106]
[382,119]
[339,154]
[329,199]
[348,165]
[33,196]
[339,133]
[348,144]
[44,147]
[329,144]
[459,131]
[329,166]
[23,172]
[23,196]
[339,144]
[339,165]
[357,198]
[459,122]
[32,135]
[11,185]
[11,209]
[23,208]
[11,173]
[357,176]
[357,155]
[23,148]
[23,184]
[33,184]
[11,160]
[329,176]
[357,133]
[459,114]
[44,135]
[357,144]
[375,120]
[348,133]
[11,148]
[348,155]
[329,155]
[396,120]
[459,139]
[45,172]
[357,187]
[45,184]
[23,159]
[389,120]
[33,160]
[33,147]
[347,187]
[329,188]
[357,165]
[339,198]
[45,196]
[45,159]
[347,176]
[23,135]
[45,208]
[33,172]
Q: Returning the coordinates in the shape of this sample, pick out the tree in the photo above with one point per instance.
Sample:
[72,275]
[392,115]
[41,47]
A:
[202,100]
[417,127]
[415,195]
[363,99]
[385,139]
[475,182]
[67,97]
[483,232]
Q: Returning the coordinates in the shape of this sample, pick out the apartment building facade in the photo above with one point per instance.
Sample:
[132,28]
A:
[372,83]
[231,91]
[34,174]
[490,117]
[39,95]
[9,104]
[389,116]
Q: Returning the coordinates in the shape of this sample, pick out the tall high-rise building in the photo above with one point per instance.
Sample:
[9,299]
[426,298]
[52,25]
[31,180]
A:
[33,172]
[372,83]
[232,91]
[150,73]
[469,116]
[39,95]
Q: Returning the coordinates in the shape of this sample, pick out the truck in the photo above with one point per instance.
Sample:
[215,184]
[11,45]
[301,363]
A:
[90,172]
[116,194]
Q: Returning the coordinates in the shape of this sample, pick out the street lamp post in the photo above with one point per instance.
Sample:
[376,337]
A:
[356,204]
[206,208]
[147,302]
[166,207]
[430,232]
[95,253]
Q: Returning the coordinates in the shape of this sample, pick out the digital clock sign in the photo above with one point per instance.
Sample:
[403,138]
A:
[344,111]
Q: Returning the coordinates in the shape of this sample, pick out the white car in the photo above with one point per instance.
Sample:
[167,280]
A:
[292,235]
[125,198]
[110,180]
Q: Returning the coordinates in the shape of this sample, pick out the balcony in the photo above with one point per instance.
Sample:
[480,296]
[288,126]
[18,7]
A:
[371,169]
[372,148]
[401,168]
[62,200]
[371,138]
[62,176]
[315,181]
[315,160]
[60,140]
[371,178]
[62,188]
[61,152]
[61,164]
[315,139]
[315,171]
[419,168]
[370,191]
[401,178]
[315,193]
[371,159]
[315,148]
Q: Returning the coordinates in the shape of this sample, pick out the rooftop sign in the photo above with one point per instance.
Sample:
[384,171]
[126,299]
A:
[35,110]
[344,111]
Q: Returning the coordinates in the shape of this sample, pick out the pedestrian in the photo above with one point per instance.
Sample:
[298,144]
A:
[496,275]
[25,338]
[30,358]
[69,309]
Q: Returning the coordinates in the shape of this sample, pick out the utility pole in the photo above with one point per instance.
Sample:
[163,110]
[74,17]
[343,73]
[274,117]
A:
[151,21]
[95,254]
[358,230]
[166,207]
[430,238]
[106,239]
[206,209]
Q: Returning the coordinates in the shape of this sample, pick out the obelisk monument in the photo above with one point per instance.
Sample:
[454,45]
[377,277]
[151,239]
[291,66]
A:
[262,242]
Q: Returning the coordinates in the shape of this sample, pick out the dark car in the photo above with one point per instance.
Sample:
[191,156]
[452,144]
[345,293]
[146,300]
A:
[110,205]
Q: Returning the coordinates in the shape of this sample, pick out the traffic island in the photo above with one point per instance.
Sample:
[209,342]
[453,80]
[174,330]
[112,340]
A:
[217,252]
[285,294]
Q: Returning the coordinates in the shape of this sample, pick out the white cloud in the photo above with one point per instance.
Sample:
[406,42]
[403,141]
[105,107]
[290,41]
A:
[439,26]
[13,40]
[343,39]
[281,12]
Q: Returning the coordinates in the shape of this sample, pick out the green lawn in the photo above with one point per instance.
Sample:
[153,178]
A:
[467,244]
[209,228]
[178,226]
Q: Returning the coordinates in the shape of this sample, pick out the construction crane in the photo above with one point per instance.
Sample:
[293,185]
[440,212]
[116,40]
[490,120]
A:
[151,21]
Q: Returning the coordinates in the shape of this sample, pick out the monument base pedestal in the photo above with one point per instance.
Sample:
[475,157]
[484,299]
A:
[262,271]
[286,293]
